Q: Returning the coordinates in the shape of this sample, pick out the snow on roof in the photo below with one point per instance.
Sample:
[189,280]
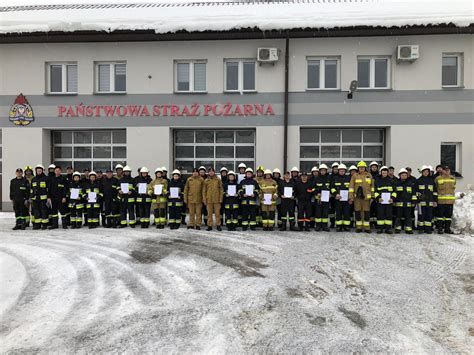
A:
[20,16]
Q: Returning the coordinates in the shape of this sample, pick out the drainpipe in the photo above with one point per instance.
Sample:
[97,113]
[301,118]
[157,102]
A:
[285,114]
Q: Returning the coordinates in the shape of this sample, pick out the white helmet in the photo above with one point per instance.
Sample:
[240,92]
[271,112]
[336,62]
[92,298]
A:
[93,173]
[230,173]
[267,171]
[76,173]
[335,164]
[383,168]
[314,168]
[295,169]
[276,171]
[224,169]
[176,172]
[39,166]
[52,166]
[342,166]
[164,169]
[202,168]
[118,166]
[127,168]
[158,170]
[431,168]
[352,167]
[323,166]
[424,167]
[242,165]
[402,170]
[373,163]
[249,170]
[144,170]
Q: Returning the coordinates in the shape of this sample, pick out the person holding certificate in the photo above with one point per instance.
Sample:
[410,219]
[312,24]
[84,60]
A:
[340,191]
[384,195]
[158,188]
[248,192]
[212,194]
[322,196]
[127,198]
[143,200]
[231,201]
[193,199]
[93,196]
[286,191]
[175,199]
[75,197]
[268,196]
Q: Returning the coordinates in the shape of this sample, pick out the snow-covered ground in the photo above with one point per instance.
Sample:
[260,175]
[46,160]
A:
[219,292]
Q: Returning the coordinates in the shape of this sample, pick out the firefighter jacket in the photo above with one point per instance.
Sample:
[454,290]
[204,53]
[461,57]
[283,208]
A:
[248,200]
[384,185]
[131,188]
[193,190]
[426,192]
[146,197]
[176,202]
[446,187]
[110,188]
[321,183]
[76,185]
[340,182]
[361,186]
[268,186]
[58,187]
[406,193]
[159,201]
[283,184]
[96,187]
[304,191]
[19,189]
[213,191]
[39,188]
[231,200]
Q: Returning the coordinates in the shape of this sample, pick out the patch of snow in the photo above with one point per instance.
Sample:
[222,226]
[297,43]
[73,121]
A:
[463,213]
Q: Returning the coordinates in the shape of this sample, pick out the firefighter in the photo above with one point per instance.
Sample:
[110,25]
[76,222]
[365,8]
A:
[427,197]
[58,188]
[384,185]
[446,188]
[159,200]
[332,201]
[276,175]
[144,198]
[19,195]
[193,199]
[241,175]
[269,189]
[259,178]
[340,191]
[212,195]
[69,172]
[242,167]
[93,196]
[361,189]
[127,199]
[110,187]
[312,180]
[412,179]
[175,204]
[352,171]
[231,202]
[202,173]
[103,218]
[314,174]
[39,196]
[287,206]
[223,175]
[76,202]
[304,193]
[248,201]
[405,200]
[321,186]
[374,171]
[119,177]
[295,174]
[85,180]
[391,174]
[51,169]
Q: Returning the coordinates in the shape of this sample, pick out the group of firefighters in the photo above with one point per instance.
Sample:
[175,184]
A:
[340,197]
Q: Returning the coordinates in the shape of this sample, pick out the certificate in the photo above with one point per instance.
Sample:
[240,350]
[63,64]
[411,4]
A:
[142,188]
[158,189]
[124,188]
[385,198]
[325,196]
[240,177]
[344,195]
[92,197]
[174,192]
[288,191]
[267,199]
[231,190]
[74,194]
[249,190]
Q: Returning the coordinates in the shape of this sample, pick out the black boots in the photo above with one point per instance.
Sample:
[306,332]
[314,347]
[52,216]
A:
[447,227]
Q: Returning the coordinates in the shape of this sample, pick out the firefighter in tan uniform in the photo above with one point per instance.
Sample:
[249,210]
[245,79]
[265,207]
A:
[361,190]
[268,186]
[446,187]
[159,199]
[193,199]
[212,196]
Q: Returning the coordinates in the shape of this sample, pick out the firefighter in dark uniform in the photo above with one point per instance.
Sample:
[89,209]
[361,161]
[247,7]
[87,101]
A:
[248,201]
[427,199]
[412,179]
[276,175]
[203,173]
[304,193]
[58,188]
[127,199]
[39,197]
[110,188]
[223,172]
[29,175]
[143,199]
[321,183]
[231,203]
[118,176]
[384,185]
[288,203]
[19,195]
[93,198]
[103,218]
[339,184]
[175,204]
[312,180]
[374,171]
[76,204]
[241,172]
[295,174]
[85,180]
[332,201]
[404,202]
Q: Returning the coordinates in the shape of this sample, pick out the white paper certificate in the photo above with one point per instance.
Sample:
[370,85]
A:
[344,195]
[158,189]
[249,190]
[92,197]
[325,196]
[385,198]
[124,188]
[288,191]
[231,190]
[240,177]
[174,192]
[267,199]
[74,194]
[142,188]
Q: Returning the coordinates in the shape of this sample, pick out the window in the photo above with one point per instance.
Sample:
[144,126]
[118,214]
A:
[216,148]
[451,156]
[89,149]
[452,70]
[111,77]
[190,76]
[323,73]
[373,72]
[346,146]
[61,78]
[239,75]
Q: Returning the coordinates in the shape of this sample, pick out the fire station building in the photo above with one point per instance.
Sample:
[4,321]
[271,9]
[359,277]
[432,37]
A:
[180,94]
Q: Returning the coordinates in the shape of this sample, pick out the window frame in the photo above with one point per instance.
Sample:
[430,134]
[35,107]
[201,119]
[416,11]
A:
[64,78]
[191,63]
[458,157]
[322,72]
[459,70]
[240,75]
[372,59]
[112,77]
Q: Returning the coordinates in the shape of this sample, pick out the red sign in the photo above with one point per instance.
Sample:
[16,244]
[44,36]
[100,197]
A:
[165,110]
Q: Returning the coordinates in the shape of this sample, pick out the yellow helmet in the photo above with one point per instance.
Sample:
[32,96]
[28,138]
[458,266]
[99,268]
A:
[362,164]
[261,168]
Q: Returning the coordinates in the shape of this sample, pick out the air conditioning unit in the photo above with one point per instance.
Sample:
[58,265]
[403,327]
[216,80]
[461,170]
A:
[267,55]
[408,53]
